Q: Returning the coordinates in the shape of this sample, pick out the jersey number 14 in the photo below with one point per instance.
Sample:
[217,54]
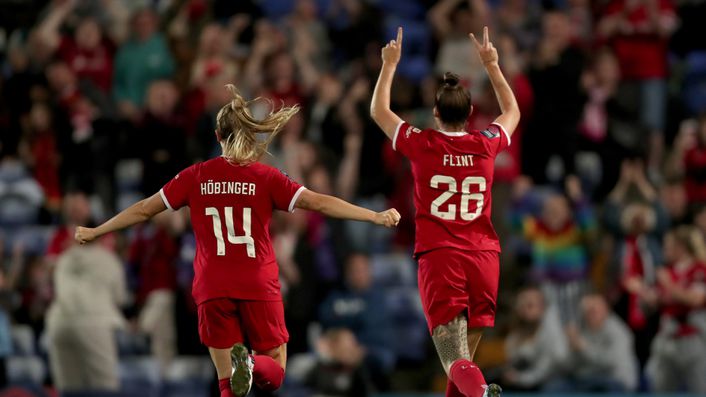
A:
[466,196]
[232,238]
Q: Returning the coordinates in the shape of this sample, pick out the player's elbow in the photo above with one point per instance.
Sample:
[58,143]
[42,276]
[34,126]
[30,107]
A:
[311,201]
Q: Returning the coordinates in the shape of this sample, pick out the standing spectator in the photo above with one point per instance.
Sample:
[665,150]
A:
[139,61]
[638,228]
[694,165]
[558,238]
[88,53]
[161,136]
[154,253]
[90,288]
[536,346]
[639,31]
[601,356]
[555,75]
[678,350]
[42,153]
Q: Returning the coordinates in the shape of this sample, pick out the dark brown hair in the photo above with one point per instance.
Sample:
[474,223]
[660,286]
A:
[453,101]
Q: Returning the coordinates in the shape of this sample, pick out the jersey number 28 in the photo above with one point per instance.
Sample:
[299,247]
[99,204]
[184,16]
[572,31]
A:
[466,196]
[232,238]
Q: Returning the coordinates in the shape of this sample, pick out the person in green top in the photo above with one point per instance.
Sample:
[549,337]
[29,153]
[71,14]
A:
[144,58]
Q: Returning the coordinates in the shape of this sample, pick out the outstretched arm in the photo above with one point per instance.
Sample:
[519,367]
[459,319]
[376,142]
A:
[510,116]
[334,207]
[380,111]
[137,213]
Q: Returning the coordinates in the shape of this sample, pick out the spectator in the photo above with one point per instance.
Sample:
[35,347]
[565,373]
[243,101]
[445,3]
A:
[161,136]
[361,308]
[695,165]
[536,346]
[558,239]
[21,197]
[154,252]
[339,371]
[42,154]
[675,199]
[601,356]
[81,323]
[88,53]
[555,76]
[141,60]
[637,227]
[638,32]
[677,358]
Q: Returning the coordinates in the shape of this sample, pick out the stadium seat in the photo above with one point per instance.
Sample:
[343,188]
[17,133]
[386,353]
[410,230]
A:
[694,91]
[409,324]
[277,9]
[26,369]
[140,376]
[128,175]
[188,377]
[394,270]
[23,340]
[411,9]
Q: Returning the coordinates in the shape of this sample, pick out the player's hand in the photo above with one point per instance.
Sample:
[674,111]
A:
[84,235]
[392,52]
[388,218]
[486,51]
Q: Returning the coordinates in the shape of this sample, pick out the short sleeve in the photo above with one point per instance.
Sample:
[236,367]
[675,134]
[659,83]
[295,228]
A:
[407,139]
[497,138]
[284,190]
[175,193]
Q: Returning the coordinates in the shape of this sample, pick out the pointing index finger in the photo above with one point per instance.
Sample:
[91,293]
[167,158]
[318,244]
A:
[399,36]
[486,37]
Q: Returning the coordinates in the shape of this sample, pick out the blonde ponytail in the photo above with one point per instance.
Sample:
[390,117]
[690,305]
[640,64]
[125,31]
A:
[238,129]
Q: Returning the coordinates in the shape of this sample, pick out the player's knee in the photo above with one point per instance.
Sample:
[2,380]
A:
[273,383]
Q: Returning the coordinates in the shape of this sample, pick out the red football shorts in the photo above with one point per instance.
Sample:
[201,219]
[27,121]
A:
[224,322]
[452,281]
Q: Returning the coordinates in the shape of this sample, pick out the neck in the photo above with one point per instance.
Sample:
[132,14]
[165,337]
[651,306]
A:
[451,128]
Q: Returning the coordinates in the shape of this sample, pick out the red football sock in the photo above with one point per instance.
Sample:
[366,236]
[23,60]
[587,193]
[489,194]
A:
[224,387]
[452,390]
[267,374]
[467,378]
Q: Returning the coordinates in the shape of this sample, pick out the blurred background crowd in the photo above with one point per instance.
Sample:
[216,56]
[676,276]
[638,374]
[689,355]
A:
[598,202]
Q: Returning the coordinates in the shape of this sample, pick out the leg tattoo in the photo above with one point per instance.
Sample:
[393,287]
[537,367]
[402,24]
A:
[451,341]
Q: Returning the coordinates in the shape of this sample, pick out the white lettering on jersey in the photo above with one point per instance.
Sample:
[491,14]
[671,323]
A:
[451,160]
[223,187]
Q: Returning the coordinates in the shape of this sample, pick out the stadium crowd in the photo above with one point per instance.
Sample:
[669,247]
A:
[599,202]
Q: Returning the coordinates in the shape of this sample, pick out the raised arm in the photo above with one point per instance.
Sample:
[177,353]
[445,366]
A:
[137,213]
[380,111]
[334,207]
[510,111]
[49,28]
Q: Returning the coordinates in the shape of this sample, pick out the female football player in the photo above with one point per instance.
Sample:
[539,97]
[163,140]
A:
[456,245]
[236,285]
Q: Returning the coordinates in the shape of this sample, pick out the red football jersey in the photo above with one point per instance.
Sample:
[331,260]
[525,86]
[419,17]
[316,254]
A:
[453,176]
[231,207]
[693,277]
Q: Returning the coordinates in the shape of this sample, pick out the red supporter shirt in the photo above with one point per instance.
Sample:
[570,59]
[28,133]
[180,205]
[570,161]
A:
[95,65]
[231,207]
[453,176]
[693,277]
[642,54]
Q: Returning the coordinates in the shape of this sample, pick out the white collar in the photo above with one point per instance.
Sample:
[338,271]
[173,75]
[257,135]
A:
[453,133]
